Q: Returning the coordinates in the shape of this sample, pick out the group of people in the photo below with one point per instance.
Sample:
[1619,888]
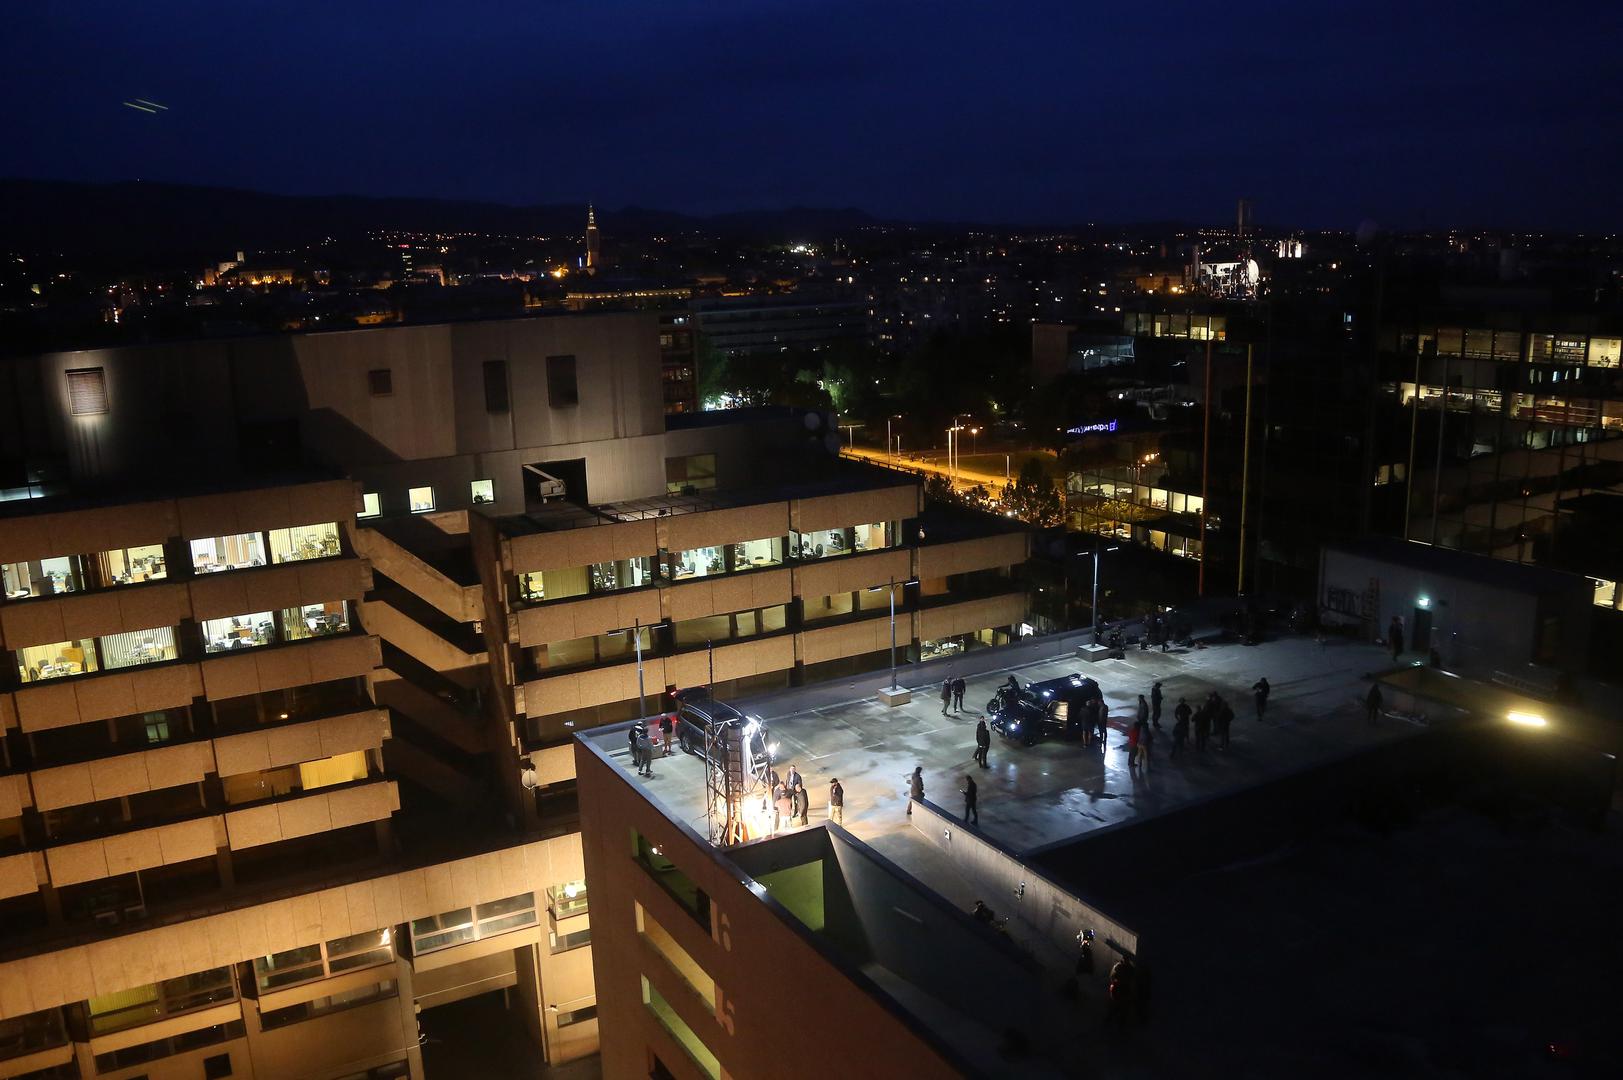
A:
[791,800]
[642,744]
[1212,717]
[642,748]
[791,803]
[952,695]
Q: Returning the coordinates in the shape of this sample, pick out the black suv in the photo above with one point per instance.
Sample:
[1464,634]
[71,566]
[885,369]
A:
[1050,709]
[696,709]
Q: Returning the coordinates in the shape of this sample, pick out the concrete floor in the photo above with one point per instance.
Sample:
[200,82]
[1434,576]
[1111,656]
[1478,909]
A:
[1050,793]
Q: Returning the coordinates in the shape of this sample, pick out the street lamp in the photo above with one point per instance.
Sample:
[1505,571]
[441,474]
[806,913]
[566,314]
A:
[635,631]
[974,441]
[888,419]
[1097,551]
[894,694]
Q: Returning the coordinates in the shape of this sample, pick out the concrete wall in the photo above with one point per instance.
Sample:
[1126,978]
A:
[752,949]
[1051,914]
[1477,627]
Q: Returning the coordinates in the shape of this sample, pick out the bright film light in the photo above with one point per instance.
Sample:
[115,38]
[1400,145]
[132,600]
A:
[1528,719]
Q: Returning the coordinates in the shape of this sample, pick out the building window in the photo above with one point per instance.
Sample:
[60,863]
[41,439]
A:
[38,662]
[371,505]
[752,554]
[570,1017]
[671,951]
[43,577]
[380,382]
[483,491]
[695,472]
[277,783]
[315,620]
[422,499]
[305,542]
[471,924]
[297,966]
[496,386]
[228,552]
[87,392]
[172,997]
[217,1067]
[238,632]
[676,884]
[322,1006]
[129,566]
[696,562]
[162,1048]
[678,1029]
[562,390]
[137,647]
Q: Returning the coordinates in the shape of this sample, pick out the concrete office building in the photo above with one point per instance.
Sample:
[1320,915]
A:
[274,721]
[795,955]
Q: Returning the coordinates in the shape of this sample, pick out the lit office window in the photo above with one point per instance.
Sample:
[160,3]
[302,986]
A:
[37,662]
[695,472]
[696,562]
[238,632]
[483,491]
[130,566]
[422,499]
[43,577]
[87,392]
[371,505]
[137,647]
[228,552]
[304,542]
[315,620]
[755,553]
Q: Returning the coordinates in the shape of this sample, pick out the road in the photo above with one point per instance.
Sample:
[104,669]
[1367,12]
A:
[963,479]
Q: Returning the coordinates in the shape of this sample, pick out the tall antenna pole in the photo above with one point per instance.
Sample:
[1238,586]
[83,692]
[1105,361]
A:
[1205,469]
[1245,466]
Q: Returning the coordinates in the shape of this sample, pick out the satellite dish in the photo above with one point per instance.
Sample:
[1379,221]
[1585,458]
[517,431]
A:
[813,420]
[832,441]
[1253,273]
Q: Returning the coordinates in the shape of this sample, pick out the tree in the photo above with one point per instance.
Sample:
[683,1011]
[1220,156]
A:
[1033,495]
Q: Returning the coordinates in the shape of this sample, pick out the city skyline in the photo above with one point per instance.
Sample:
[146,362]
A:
[1045,114]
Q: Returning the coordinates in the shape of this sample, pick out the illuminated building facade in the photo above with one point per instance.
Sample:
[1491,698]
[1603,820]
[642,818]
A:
[284,766]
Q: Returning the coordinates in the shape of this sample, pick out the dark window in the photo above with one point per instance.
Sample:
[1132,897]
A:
[380,381]
[495,386]
[561,388]
[216,1067]
[87,391]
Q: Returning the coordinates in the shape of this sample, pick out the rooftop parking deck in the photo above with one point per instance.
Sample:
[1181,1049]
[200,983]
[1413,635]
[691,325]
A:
[1033,797]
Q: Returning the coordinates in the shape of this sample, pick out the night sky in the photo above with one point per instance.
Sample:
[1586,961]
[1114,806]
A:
[1405,114]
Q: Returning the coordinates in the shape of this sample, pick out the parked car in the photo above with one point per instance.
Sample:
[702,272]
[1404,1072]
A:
[1049,709]
[697,711]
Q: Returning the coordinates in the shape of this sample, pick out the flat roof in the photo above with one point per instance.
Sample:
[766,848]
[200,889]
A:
[1464,565]
[562,516]
[165,487]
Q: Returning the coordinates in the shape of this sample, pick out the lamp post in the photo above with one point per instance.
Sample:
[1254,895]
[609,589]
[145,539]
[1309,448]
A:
[893,694]
[974,441]
[636,638]
[1097,551]
[888,419]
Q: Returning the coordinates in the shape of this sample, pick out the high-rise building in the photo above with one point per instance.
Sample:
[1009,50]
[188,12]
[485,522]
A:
[297,629]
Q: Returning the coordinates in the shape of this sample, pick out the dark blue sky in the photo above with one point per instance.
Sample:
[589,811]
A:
[1326,113]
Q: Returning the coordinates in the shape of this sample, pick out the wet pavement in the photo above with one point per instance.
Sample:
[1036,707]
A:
[1032,797]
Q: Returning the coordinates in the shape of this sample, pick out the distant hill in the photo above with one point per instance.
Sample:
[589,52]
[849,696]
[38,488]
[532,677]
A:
[139,218]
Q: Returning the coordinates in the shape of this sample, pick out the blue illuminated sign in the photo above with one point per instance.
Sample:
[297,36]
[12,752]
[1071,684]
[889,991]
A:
[1104,427]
